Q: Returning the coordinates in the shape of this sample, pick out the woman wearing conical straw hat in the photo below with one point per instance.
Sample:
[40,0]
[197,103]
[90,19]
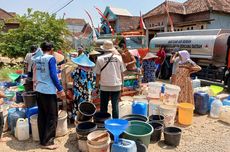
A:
[149,68]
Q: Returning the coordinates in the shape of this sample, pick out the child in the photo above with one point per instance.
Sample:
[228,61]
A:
[2,139]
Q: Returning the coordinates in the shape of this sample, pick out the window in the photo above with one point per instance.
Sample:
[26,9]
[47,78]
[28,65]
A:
[188,28]
[150,25]
[192,28]
[202,27]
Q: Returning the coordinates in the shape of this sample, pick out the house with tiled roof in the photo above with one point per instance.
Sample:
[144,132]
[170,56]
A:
[7,19]
[120,19]
[75,25]
[190,15]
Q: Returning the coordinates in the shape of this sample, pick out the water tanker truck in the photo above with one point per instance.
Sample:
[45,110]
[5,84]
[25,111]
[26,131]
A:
[208,48]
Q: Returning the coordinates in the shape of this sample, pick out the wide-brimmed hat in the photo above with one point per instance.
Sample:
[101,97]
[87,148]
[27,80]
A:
[149,55]
[59,57]
[83,60]
[94,52]
[108,46]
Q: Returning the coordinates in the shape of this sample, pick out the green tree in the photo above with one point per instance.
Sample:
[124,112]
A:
[35,27]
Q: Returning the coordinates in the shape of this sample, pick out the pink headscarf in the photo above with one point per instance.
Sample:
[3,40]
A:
[185,57]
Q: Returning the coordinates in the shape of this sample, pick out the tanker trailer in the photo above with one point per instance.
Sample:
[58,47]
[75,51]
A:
[208,48]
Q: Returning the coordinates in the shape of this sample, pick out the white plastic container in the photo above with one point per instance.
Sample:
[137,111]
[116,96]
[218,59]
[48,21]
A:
[225,114]
[216,108]
[125,108]
[22,129]
[196,83]
[62,128]
[171,94]
[154,89]
[100,147]
[169,112]
[154,107]
[34,127]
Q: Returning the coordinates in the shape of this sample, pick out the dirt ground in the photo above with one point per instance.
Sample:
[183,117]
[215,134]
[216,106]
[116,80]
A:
[204,135]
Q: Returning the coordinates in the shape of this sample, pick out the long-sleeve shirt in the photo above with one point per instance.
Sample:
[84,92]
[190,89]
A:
[53,74]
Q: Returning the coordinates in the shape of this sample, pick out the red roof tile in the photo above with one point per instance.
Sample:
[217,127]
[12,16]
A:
[75,21]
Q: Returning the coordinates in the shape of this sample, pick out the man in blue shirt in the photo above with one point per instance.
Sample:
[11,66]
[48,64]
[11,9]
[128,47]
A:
[47,86]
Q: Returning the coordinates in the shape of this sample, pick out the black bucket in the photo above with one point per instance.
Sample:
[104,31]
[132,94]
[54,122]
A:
[172,136]
[87,109]
[100,117]
[30,99]
[28,84]
[158,127]
[141,147]
[157,118]
[83,129]
[19,98]
[81,118]
[135,117]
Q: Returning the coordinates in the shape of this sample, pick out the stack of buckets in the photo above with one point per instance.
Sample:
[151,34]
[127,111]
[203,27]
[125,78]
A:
[92,137]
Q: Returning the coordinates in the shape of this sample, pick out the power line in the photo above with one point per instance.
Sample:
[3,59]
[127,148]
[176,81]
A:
[63,6]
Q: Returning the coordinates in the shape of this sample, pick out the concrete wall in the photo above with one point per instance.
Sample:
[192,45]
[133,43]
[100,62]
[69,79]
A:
[221,21]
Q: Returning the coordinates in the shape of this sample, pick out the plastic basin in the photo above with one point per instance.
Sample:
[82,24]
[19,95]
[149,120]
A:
[216,89]
[139,131]
[135,117]
[185,113]
[116,127]
[172,136]
[85,128]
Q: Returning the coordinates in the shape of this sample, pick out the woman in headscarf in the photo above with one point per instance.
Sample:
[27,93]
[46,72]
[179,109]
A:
[183,80]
